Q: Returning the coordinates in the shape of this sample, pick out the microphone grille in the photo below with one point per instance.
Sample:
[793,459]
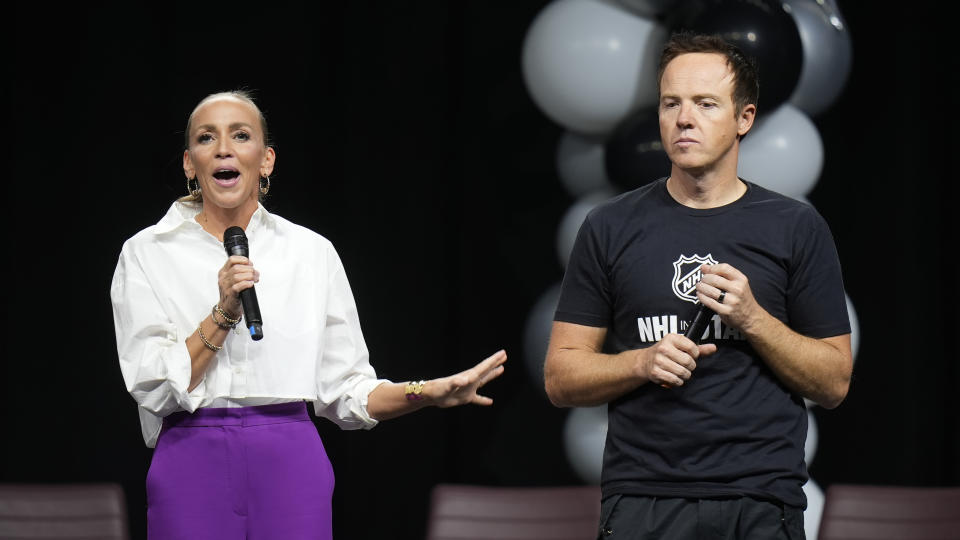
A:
[234,236]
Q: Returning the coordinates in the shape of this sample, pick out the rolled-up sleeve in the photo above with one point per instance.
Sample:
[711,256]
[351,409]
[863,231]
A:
[153,354]
[345,377]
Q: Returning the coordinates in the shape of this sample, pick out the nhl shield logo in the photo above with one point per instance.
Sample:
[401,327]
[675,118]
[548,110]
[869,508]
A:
[686,275]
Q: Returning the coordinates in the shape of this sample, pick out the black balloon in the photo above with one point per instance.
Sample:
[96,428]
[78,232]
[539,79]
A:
[633,153]
[762,29]
[648,8]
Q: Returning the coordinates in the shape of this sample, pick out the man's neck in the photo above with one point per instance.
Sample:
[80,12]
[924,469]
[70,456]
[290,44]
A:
[704,189]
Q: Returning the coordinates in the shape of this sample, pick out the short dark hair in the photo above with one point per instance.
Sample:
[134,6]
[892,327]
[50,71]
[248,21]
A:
[746,83]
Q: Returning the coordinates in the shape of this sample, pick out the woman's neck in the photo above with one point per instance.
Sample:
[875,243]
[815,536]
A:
[215,220]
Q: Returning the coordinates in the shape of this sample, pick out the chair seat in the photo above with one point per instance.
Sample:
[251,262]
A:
[461,512]
[860,512]
[63,511]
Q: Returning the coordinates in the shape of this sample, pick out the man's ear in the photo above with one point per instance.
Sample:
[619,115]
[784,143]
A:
[745,119]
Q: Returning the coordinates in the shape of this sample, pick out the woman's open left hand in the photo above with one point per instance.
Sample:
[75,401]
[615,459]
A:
[461,388]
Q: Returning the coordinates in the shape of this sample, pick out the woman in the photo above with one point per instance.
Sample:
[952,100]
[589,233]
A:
[236,455]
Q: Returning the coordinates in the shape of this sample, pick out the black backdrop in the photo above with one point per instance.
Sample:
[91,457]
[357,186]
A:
[406,136]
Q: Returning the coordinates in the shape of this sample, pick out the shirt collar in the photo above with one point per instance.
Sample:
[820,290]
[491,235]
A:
[183,214]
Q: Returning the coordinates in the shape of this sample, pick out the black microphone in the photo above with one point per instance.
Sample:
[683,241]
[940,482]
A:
[235,242]
[696,329]
[699,324]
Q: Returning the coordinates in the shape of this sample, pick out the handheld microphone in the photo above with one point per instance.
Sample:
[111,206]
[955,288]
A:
[235,242]
[699,324]
[697,327]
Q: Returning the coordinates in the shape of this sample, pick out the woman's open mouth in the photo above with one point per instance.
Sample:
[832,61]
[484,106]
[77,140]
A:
[226,177]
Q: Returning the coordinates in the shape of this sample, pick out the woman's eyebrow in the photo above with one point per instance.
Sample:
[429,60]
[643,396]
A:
[211,127]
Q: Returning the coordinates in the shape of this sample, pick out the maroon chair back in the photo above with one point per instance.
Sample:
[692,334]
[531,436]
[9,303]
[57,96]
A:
[63,511]
[859,512]
[459,512]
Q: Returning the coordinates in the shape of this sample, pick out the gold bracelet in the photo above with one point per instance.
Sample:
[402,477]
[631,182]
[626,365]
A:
[414,390]
[203,338]
[230,324]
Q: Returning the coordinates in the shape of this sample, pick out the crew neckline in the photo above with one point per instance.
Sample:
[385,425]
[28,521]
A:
[703,212]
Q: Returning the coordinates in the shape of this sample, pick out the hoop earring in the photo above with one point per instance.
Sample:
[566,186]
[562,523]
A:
[194,190]
[264,184]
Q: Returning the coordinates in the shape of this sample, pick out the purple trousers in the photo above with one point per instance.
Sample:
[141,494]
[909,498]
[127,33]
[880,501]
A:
[248,473]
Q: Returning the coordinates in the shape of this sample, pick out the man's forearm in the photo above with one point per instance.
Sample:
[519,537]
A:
[579,378]
[817,369]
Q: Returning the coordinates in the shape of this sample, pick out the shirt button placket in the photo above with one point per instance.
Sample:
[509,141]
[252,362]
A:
[240,349]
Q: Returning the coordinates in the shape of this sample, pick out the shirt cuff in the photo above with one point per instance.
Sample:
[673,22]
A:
[363,391]
[180,373]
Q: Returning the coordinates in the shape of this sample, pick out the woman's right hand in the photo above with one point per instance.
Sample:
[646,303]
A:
[236,275]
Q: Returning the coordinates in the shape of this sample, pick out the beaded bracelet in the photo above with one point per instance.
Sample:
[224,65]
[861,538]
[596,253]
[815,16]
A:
[230,324]
[203,338]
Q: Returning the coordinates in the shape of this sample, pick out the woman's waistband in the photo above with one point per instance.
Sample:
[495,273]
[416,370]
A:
[276,413]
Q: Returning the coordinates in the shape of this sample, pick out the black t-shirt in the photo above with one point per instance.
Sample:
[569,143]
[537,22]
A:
[733,428]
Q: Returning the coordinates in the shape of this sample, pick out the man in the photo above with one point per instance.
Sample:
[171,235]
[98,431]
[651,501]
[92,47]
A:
[704,440]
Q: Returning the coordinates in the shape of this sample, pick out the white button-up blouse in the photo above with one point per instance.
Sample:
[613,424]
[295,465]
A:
[166,283]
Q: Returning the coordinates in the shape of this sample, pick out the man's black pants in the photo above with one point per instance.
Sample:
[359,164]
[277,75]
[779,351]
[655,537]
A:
[628,517]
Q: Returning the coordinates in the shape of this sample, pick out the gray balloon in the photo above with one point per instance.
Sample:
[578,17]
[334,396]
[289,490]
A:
[580,164]
[782,152]
[571,221]
[810,445]
[814,511]
[854,329]
[584,437]
[536,335]
[827,55]
[588,63]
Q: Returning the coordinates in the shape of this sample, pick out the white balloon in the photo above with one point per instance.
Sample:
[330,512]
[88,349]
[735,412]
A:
[810,446]
[580,164]
[584,436]
[536,334]
[572,220]
[814,511]
[589,63]
[783,152]
[854,329]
